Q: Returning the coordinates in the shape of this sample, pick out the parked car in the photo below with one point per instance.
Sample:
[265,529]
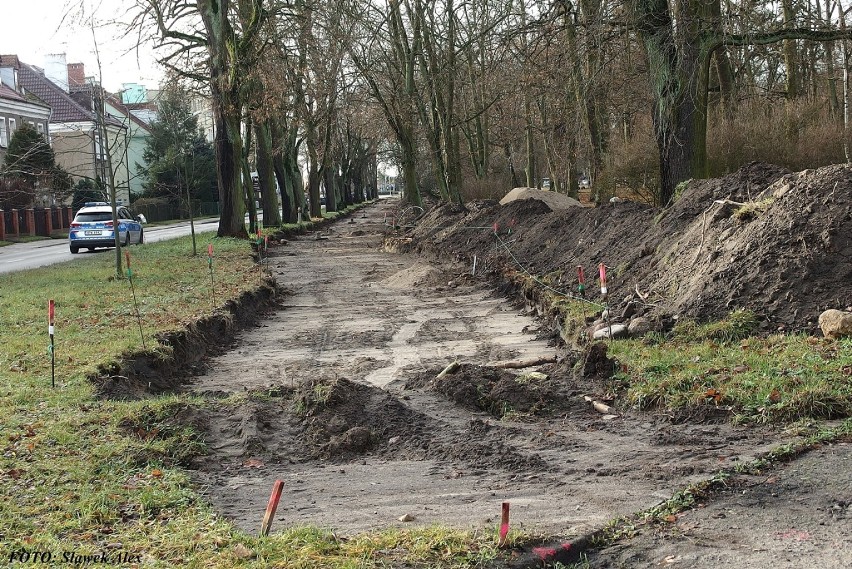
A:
[92,227]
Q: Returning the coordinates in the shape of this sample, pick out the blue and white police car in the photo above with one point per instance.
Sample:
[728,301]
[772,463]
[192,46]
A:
[93,227]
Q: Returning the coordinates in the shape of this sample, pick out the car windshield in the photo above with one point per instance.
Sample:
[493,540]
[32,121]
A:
[94,216]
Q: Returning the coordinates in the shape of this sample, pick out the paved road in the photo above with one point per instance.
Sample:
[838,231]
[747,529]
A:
[21,256]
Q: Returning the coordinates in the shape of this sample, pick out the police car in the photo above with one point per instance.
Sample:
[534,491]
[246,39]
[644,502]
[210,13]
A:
[92,227]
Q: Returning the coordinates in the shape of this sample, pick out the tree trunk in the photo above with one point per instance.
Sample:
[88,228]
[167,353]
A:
[228,166]
[227,112]
[284,174]
[530,145]
[248,184]
[790,55]
[266,175]
[331,191]
[678,66]
[409,174]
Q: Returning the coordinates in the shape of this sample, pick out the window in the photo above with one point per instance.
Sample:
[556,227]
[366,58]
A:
[40,127]
[4,139]
[13,125]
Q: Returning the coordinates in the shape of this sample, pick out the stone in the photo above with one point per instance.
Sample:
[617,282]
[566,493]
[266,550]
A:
[618,331]
[638,327]
[407,518]
[835,323]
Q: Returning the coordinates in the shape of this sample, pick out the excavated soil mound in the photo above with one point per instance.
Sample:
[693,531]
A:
[763,239]
[340,421]
[500,392]
[553,200]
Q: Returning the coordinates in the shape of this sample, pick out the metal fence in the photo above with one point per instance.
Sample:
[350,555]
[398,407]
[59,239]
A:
[43,222]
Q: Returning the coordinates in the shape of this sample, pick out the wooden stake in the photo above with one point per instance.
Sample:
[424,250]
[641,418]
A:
[504,526]
[271,506]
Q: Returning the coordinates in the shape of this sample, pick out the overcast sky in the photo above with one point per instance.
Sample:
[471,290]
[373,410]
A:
[33,28]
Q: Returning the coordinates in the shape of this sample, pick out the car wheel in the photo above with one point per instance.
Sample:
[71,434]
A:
[141,237]
[74,249]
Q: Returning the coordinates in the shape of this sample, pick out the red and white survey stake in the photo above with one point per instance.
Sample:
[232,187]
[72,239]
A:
[602,270]
[581,281]
[271,506]
[51,314]
[504,525]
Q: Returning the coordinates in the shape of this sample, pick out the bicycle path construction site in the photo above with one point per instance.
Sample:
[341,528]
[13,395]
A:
[343,405]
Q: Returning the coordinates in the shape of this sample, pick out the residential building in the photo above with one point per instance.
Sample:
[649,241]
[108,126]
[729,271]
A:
[203,108]
[141,101]
[138,133]
[73,128]
[16,108]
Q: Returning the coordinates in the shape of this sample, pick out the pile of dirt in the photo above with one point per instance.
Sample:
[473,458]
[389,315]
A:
[763,239]
[501,393]
[553,200]
[340,421]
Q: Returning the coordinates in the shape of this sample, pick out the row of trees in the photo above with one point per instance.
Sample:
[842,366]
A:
[478,94]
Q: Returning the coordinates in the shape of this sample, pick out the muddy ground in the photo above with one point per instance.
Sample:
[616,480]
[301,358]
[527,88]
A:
[341,401]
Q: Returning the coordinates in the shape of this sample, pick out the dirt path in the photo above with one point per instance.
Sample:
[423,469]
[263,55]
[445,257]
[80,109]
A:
[341,406]
[799,515]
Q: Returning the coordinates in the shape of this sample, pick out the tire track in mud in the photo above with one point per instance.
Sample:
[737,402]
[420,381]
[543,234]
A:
[340,406]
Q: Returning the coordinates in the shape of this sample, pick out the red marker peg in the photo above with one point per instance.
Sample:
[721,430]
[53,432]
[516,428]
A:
[51,312]
[496,227]
[602,270]
[127,258]
[210,249]
[581,280]
[504,525]
[271,506]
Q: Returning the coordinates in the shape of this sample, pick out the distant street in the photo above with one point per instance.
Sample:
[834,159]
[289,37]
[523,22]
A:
[22,256]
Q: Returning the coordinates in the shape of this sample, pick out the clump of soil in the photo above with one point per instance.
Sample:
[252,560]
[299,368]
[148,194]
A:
[498,391]
[341,421]
[785,253]
[596,364]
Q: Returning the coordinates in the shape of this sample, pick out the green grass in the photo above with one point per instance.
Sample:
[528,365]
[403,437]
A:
[777,379]
[84,475]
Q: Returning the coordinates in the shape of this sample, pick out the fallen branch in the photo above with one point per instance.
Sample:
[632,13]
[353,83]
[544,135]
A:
[519,364]
[729,202]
